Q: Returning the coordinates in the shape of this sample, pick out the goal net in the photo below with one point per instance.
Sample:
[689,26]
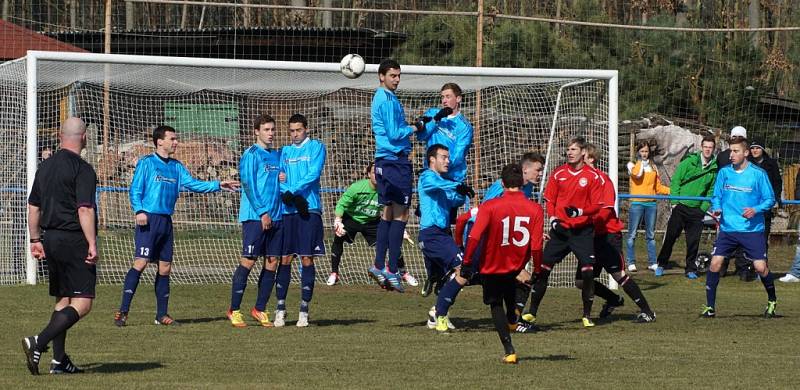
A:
[211,103]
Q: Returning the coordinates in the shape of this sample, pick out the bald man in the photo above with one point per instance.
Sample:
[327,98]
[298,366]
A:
[62,226]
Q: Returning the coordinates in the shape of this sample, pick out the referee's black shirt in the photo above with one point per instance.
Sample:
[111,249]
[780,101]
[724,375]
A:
[63,183]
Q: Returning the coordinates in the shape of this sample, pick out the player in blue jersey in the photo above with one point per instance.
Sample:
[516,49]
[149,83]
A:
[260,213]
[449,127]
[742,194]
[393,173]
[532,168]
[301,165]
[154,190]
[437,196]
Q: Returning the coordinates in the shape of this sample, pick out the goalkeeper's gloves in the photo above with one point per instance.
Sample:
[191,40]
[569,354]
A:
[338,227]
[466,190]
[420,122]
[443,113]
[466,271]
[301,204]
[287,198]
[573,211]
[557,227]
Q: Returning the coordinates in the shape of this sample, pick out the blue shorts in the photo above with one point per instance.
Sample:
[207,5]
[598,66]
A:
[303,236]
[754,244]
[394,181]
[257,242]
[439,248]
[154,241]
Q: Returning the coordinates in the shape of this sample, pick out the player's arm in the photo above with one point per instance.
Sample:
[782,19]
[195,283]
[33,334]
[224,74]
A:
[463,143]
[536,229]
[314,172]
[767,197]
[461,224]
[550,195]
[395,128]
[85,192]
[481,222]
[716,196]
[196,185]
[248,171]
[34,215]
[136,192]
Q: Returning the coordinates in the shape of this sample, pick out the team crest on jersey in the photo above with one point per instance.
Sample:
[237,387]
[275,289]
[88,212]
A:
[583,182]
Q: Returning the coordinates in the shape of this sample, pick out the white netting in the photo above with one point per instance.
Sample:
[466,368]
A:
[212,109]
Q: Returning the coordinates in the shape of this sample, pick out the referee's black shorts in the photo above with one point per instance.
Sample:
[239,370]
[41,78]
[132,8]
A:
[499,288]
[70,276]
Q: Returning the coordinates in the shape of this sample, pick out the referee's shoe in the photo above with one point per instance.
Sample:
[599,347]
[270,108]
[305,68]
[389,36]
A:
[32,355]
[65,366]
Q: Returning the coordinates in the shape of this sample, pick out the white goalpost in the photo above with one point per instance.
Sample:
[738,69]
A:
[211,102]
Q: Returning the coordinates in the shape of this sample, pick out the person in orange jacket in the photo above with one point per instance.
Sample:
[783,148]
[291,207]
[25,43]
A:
[644,180]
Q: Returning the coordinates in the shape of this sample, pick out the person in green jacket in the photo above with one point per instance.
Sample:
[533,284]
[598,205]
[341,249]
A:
[358,211]
[694,177]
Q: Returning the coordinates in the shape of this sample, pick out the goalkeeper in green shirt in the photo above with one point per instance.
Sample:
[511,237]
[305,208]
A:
[358,211]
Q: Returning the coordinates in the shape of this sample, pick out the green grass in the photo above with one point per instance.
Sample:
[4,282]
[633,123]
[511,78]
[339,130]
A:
[362,337]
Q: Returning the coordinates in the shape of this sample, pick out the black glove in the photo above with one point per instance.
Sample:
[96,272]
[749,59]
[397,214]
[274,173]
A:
[443,113]
[573,211]
[558,227]
[465,190]
[420,122]
[287,198]
[467,272]
[301,204]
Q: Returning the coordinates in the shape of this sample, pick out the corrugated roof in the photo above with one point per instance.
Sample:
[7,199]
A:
[16,40]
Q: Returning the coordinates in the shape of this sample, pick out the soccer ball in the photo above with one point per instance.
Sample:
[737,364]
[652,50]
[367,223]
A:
[352,66]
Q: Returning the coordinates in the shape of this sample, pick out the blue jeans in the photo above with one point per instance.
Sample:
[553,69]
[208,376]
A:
[796,265]
[635,214]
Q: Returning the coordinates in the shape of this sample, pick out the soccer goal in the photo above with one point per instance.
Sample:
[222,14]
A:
[211,102]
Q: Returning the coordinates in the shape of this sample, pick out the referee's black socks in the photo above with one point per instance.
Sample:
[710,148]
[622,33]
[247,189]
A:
[60,321]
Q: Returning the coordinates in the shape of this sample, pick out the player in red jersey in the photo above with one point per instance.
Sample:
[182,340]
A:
[608,251]
[573,195]
[510,231]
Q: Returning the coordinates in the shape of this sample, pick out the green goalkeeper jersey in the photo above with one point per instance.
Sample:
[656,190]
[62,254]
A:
[360,202]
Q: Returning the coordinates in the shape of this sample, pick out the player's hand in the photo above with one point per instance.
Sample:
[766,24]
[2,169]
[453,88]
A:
[466,271]
[407,237]
[749,212]
[229,185]
[287,198]
[91,256]
[465,190]
[37,250]
[141,219]
[558,227]
[301,204]
[420,122]
[338,228]
[443,113]
[573,211]
[524,277]
[282,177]
[266,222]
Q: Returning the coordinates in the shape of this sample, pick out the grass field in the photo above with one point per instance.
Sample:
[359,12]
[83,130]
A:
[362,337]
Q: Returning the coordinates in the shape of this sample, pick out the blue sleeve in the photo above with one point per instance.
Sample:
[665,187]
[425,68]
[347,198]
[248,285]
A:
[716,197]
[463,143]
[248,170]
[283,186]
[495,190]
[314,170]
[136,192]
[767,199]
[396,128]
[195,185]
[432,182]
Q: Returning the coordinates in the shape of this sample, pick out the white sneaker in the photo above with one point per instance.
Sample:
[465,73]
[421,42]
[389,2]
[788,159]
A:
[652,267]
[632,268]
[789,278]
[280,318]
[410,279]
[302,320]
[332,279]
[432,318]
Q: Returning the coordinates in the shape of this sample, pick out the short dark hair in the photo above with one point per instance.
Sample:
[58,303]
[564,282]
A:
[298,118]
[531,157]
[578,140]
[432,150]
[453,87]
[739,141]
[512,176]
[263,119]
[709,138]
[160,132]
[388,64]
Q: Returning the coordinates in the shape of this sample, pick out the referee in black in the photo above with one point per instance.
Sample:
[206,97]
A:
[63,227]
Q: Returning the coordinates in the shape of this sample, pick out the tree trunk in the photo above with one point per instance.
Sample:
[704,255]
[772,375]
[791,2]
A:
[754,18]
[130,8]
[246,14]
[327,16]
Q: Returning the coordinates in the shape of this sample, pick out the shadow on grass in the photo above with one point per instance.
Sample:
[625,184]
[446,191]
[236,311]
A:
[341,322]
[649,284]
[480,325]
[200,320]
[552,358]
[115,367]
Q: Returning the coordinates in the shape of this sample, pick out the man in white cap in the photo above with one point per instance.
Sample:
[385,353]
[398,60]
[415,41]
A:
[724,157]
